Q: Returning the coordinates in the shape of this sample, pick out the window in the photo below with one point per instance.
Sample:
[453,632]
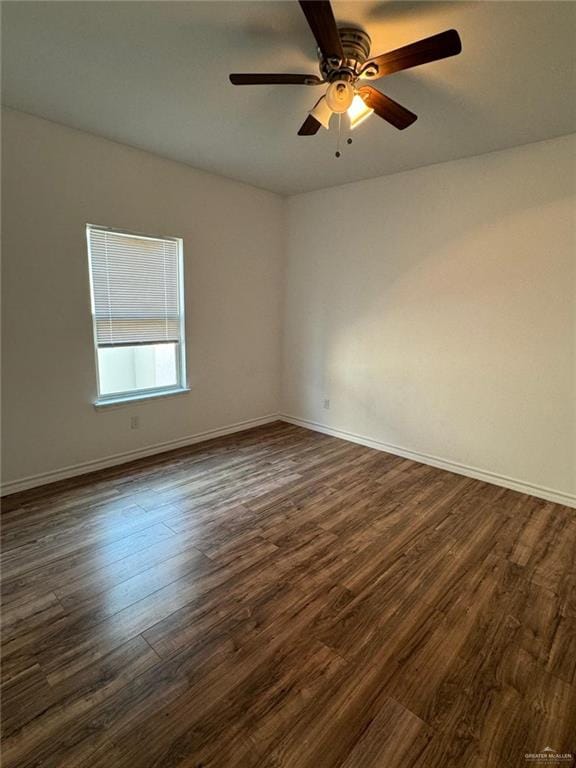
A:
[138,314]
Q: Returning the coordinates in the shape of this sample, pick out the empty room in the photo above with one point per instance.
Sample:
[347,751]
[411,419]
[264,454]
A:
[288,384]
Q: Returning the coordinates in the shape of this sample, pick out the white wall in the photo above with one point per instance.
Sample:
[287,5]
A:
[55,180]
[436,310]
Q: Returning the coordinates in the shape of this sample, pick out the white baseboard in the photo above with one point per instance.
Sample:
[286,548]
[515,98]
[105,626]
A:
[541,492]
[84,468]
[74,470]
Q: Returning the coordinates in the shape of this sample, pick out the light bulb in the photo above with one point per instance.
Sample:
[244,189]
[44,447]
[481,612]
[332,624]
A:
[358,111]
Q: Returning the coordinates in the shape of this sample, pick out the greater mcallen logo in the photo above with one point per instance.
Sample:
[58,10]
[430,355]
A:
[548,756]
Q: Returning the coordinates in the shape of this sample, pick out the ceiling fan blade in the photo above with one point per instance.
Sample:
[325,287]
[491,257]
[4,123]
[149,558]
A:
[430,49]
[387,108]
[309,127]
[321,20]
[259,79]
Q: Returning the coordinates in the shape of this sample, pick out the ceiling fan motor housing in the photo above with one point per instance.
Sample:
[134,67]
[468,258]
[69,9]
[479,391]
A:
[356,44]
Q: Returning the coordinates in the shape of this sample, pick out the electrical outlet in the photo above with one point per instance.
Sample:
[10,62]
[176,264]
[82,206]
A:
[134,422]
[326,404]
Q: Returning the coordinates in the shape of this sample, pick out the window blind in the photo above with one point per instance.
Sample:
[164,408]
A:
[135,288]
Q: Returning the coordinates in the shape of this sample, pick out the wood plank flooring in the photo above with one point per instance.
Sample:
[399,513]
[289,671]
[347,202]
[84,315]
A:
[283,598]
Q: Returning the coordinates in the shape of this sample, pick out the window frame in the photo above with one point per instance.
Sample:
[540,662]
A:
[132,395]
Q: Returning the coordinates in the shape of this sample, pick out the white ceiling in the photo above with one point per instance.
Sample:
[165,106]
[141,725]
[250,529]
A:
[155,75]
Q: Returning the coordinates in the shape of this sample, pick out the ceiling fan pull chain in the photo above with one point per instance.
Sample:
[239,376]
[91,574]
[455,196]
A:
[338,153]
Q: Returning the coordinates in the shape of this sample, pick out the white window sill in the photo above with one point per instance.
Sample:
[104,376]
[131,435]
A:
[138,398]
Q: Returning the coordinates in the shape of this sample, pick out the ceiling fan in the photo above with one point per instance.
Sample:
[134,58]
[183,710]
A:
[345,65]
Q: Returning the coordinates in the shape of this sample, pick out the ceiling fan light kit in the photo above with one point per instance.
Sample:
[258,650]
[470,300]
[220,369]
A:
[339,96]
[322,112]
[358,111]
[345,65]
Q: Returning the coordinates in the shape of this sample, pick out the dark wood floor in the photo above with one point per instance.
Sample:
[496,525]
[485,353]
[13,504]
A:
[283,598]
